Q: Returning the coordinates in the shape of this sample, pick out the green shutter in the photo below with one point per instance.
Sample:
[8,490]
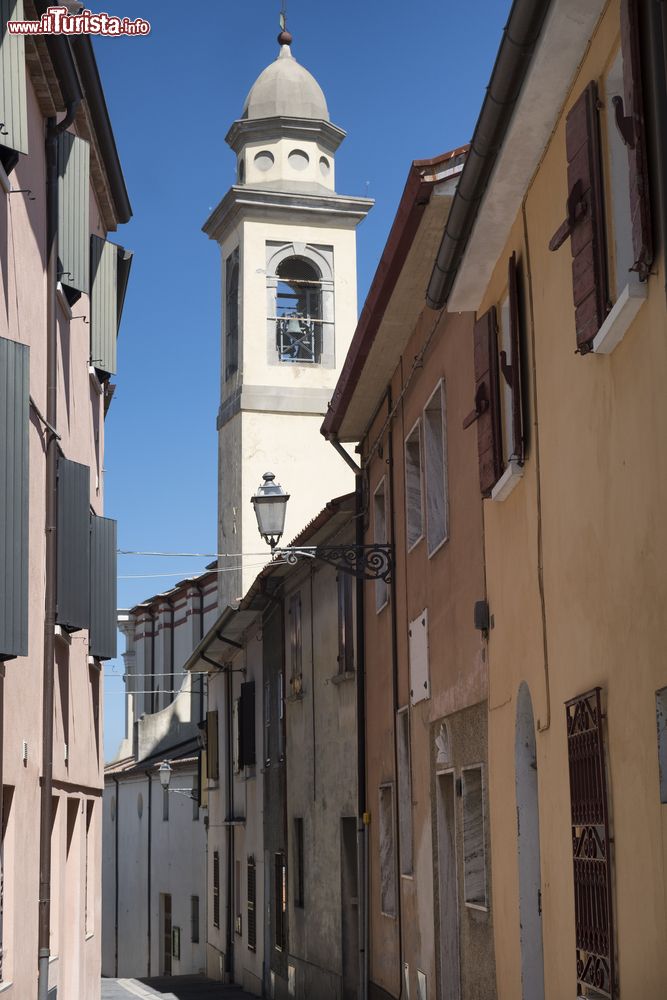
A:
[14,497]
[102,638]
[13,107]
[73,211]
[109,272]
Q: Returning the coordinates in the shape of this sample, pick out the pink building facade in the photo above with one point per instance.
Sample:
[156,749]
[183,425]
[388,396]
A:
[62,286]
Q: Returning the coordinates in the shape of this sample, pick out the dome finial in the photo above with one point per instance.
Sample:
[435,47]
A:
[284,38]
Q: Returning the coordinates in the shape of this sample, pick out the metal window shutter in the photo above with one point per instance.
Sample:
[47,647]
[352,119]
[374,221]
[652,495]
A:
[73,211]
[103,304]
[487,402]
[633,110]
[13,107]
[102,587]
[14,416]
[73,583]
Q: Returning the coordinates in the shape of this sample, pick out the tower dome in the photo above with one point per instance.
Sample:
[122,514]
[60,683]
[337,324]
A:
[286,89]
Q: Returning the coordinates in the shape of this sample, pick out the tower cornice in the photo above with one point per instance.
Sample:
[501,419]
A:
[270,204]
[246,130]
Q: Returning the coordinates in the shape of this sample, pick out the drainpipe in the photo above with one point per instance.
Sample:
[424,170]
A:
[362,818]
[116,889]
[229,948]
[657,36]
[46,806]
[149,872]
[394,678]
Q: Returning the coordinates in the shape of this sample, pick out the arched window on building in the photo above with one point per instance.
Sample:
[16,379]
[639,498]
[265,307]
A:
[299,311]
[232,314]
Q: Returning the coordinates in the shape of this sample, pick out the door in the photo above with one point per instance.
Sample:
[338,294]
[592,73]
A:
[448,897]
[165,907]
[528,841]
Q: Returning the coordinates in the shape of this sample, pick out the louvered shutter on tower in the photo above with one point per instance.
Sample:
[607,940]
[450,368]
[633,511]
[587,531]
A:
[633,109]
[487,402]
[584,223]
[13,104]
[14,496]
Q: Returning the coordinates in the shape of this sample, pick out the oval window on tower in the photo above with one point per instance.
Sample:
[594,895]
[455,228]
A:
[264,160]
[298,160]
[325,166]
[241,171]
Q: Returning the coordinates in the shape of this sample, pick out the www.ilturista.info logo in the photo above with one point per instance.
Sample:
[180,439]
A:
[68,20]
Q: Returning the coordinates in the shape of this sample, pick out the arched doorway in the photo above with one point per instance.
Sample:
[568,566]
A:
[528,840]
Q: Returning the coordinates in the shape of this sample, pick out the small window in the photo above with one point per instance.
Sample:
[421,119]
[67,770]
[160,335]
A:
[194,919]
[380,538]
[280,901]
[404,791]
[474,849]
[232,314]
[435,460]
[299,890]
[661,712]
[618,186]
[345,623]
[216,888]
[298,312]
[413,486]
[296,643]
[165,804]
[387,852]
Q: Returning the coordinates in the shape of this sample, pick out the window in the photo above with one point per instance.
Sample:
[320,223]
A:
[387,852]
[418,654]
[404,791]
[252,903]
[299,891]
[474,850]
[620,249]
[238,923]
[194,919]
[267,724]
[280,901]
[247,725]
[295,643]
[216,888]
[298,312]
[236,736]
[661,716]
[89,882]
[345,623]
[435,461]
[380,538]
[212,766]
[413,486]
[232,314]
[165,805]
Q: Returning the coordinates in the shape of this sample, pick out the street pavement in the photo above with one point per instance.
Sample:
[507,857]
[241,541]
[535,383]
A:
[172,988]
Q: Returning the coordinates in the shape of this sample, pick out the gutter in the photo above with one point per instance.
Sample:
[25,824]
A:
[149,872]
[515,55]
[117,879]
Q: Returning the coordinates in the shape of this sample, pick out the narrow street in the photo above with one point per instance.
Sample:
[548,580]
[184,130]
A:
[171,988]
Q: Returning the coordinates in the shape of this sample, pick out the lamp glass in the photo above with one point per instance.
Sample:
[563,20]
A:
[164,771]
[270,503]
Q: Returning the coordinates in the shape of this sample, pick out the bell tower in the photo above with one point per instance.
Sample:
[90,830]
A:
[289,309]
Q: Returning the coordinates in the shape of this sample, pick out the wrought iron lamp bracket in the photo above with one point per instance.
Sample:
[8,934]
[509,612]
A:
[365,562]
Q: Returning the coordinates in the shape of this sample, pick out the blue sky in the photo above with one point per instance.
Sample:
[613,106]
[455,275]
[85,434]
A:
[405,80]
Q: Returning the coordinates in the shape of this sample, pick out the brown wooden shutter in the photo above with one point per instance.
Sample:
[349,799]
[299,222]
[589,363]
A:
[512,372]
[630,115]
[592,861]
[212,762]
[584,224]
[487,402]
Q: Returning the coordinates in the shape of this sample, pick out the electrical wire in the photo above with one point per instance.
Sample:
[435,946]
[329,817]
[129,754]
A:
[194,555]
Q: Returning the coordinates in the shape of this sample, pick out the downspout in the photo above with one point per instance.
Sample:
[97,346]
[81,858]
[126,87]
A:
[362,813]
[53,130]
[229,930]
[116,887]
[149,880]
[394,678]
[657,36]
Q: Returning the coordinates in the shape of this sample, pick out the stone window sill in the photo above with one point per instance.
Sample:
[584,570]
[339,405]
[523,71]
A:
[620,318]
[510,477]
[345,675]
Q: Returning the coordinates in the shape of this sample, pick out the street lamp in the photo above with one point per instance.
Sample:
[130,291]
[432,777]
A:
[366,562]
[164,773]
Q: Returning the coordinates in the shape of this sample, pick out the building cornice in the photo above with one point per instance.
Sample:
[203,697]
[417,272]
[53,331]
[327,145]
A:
[246,130]
[244,202]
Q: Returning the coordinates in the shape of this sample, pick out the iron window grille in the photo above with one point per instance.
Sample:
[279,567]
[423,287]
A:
[594,928]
